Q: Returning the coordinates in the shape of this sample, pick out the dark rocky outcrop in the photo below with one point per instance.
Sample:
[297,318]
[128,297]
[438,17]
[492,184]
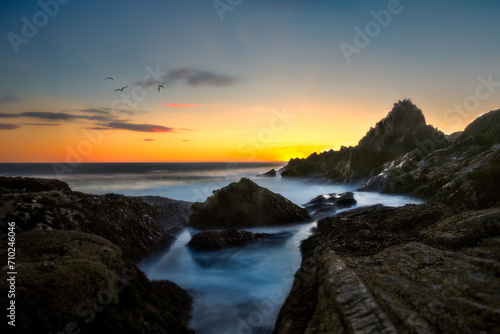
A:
[139,226]
[271,173]
[75,257]
[326,205]
[70,281]
[404,129]
[466,173]
[219,239]
[414,269]
[245,204]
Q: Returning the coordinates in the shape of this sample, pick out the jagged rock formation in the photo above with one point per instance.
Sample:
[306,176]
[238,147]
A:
[466,173]
[326,205]
[70,281]
[425,269]
[245,204]
[219,239]
[271,173]
[402,130]
[139,226]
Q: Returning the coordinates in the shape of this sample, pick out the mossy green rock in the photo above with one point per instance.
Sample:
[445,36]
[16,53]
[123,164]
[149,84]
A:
[70,280]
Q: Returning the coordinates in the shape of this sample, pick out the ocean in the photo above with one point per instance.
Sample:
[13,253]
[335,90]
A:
[236,290]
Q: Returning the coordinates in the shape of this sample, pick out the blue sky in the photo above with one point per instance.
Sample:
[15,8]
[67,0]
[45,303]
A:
[276,53]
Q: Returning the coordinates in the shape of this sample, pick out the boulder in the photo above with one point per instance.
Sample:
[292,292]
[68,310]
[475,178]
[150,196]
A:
[70,281]
[219,239]
[413,269]
[271,173]
[245,204]
[326,205]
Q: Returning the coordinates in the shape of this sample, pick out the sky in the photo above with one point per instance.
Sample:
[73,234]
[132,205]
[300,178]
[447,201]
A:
[234,80]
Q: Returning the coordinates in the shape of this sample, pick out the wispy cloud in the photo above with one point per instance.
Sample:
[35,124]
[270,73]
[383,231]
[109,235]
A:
[192,77]
[9,126]
[104,111]
[41,124]
[140,127]
[186,140]
[149,139]
[54,116]
[9,98]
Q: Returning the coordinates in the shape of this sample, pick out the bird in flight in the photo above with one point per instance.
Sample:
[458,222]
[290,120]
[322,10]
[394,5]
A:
[120,89]
[160,86]
[109,78]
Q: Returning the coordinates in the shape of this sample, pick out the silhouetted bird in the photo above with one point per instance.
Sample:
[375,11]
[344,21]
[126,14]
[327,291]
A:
[109,78]
[160,86]
[120,89]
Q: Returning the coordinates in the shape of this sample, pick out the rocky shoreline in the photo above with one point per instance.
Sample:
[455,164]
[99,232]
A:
[76,256]
[430,268]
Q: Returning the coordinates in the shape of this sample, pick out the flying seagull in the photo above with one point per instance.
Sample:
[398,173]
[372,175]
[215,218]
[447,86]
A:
[160,86]
[109,78]
[120,89]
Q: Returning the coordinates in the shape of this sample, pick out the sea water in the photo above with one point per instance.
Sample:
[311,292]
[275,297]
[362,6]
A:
[235,290]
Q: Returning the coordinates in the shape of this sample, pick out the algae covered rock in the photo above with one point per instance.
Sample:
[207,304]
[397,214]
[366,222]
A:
[70,281]
[220,239]
[245,204]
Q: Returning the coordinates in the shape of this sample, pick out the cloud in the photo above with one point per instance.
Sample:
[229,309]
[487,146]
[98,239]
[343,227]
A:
[54,116]
[140,127]
[149,139]
[104,111]
[8,126]
[41,124]
[192,77]
[9,98]
[186,140]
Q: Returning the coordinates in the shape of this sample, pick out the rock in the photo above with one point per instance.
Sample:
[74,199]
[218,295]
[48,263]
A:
[326,205]
[70,281]
[418,268]
[467,173]
[139,226]
[219,239]
[403,129]
[271,173]
[484,130]
[245,204]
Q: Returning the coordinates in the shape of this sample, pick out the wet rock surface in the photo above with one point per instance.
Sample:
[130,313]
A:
[139,226]
[271,173]
[245,204]
[75,257]
[79,282]
[419,268]
[220,239]
[466,173]
[326,205]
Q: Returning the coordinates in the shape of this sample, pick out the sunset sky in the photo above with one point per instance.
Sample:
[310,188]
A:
[258,80]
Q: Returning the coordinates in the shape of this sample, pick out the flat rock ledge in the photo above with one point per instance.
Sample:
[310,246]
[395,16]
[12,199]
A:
[220,239]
